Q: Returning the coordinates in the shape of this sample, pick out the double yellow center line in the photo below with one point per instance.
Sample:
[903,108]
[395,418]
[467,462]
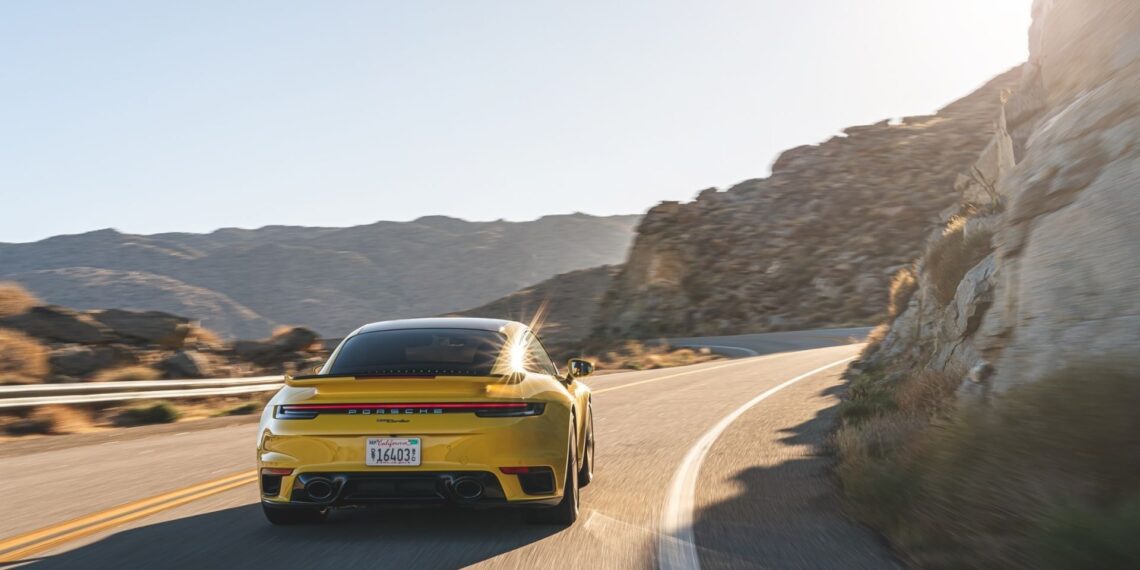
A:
[19,547]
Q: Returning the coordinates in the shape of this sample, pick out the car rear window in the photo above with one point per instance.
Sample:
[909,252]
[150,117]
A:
[419,351]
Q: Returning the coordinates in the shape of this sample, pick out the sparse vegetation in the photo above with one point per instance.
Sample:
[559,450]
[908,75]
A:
[1043,477]
[49,420]
[638,355]
[15,300]
[903,285]
[201,335]
[156,413]
[23,360]
[953,254]
[127,374]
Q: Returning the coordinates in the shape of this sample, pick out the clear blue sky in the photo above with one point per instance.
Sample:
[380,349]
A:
[188,116]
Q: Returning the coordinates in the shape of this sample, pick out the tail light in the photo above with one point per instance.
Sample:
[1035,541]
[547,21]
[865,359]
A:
[483,410]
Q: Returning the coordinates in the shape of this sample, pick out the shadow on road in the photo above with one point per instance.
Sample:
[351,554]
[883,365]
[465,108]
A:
[789,515]
[382,538]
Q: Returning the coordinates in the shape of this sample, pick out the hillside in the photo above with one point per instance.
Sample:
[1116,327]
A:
[241,283]
[992,422]
[568,303]
[812,245]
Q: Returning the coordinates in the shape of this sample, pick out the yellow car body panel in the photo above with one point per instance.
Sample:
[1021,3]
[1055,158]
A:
[450,442]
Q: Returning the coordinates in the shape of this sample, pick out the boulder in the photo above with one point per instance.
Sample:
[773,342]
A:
[79,360]
[59,324]
[282,347]
[296,339]
[149,328]
[187,364]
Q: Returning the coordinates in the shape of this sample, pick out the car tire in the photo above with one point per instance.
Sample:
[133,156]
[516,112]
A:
[586,474]
[566,511]
[293,515]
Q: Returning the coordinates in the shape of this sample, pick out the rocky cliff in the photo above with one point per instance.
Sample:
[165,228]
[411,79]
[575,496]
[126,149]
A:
[49,343]
[1040,271]
[812,245]
[242,283]
[992,422]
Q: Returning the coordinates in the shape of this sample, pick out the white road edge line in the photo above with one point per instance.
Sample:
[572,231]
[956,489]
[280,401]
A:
[676,546]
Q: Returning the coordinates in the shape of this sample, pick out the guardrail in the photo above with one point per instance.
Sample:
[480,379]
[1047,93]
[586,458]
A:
[28,396]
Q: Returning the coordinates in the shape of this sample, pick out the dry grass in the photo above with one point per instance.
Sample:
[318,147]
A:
[637,355]
[23,359]
[127,374]
[59,420]
[951,256]
[1043,477]
[200,335]
[874,340]
[15,300]
[903,285]
[52,420]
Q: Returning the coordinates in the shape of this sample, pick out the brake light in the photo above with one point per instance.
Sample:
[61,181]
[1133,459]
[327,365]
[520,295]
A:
[484,409]
[518,470]
[529,409]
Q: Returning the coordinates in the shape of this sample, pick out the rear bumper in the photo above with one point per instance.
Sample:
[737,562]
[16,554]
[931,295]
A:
[411,488]
[451,446]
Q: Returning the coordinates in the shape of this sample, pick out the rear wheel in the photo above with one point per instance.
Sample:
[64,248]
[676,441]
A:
[294,515]
[586,474]
[566,511]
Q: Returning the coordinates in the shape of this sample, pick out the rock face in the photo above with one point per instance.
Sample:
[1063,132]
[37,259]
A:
[1061,288]
[243,283]
[151,327]
[285,346]
[812,245]
[93,345]
[59,324]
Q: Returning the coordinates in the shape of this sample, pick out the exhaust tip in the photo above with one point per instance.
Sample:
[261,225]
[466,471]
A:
[467,489]
[319,489]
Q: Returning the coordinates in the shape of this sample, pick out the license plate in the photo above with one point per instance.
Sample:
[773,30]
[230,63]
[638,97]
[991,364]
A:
[392,451]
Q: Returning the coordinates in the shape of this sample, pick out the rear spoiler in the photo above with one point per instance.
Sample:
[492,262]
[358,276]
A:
[318,379]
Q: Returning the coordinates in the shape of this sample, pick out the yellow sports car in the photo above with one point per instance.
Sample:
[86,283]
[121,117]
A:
[430,411]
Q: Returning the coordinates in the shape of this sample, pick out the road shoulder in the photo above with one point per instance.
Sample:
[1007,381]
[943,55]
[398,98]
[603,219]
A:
[767,497]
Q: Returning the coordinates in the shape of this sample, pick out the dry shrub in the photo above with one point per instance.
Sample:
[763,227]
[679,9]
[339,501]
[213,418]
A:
[127,374]
[951,256]
[1045,476]
[930,392]
[637,355]
[874,340]
[23,359]
[51,420]
[201,335]
[903,285]
[65,419]
[15,300]
[156,413]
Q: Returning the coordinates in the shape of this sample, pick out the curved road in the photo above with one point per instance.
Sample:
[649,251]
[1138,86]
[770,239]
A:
[718,465]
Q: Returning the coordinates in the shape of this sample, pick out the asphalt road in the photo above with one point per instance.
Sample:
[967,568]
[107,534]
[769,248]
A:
[760,493]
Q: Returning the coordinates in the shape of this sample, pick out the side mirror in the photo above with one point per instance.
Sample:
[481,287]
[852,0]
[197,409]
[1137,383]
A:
[579,368]
[317,370]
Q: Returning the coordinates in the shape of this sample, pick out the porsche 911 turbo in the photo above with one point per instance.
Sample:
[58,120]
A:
[443,411]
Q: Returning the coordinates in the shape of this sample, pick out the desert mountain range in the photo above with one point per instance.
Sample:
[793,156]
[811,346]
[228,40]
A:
[242,283]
